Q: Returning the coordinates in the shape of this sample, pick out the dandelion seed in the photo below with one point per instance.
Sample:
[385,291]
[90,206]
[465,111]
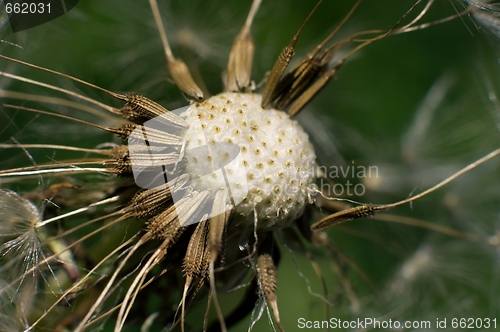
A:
[18,229]
[24,256]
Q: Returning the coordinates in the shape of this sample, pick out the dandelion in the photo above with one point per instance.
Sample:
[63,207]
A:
[197,202]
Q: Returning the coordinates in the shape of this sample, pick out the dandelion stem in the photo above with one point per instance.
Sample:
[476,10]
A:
[59,171]
[55,147]
[81,281]
[57,101]
[429,225]
[59,74]
[77,211]
[447,180]
[48,166]
[27,109]
[161,30]
[55,88]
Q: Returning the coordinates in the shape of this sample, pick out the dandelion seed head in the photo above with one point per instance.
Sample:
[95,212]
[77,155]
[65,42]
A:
[275,161]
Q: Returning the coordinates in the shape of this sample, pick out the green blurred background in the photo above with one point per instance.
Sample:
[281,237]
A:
[361,117]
